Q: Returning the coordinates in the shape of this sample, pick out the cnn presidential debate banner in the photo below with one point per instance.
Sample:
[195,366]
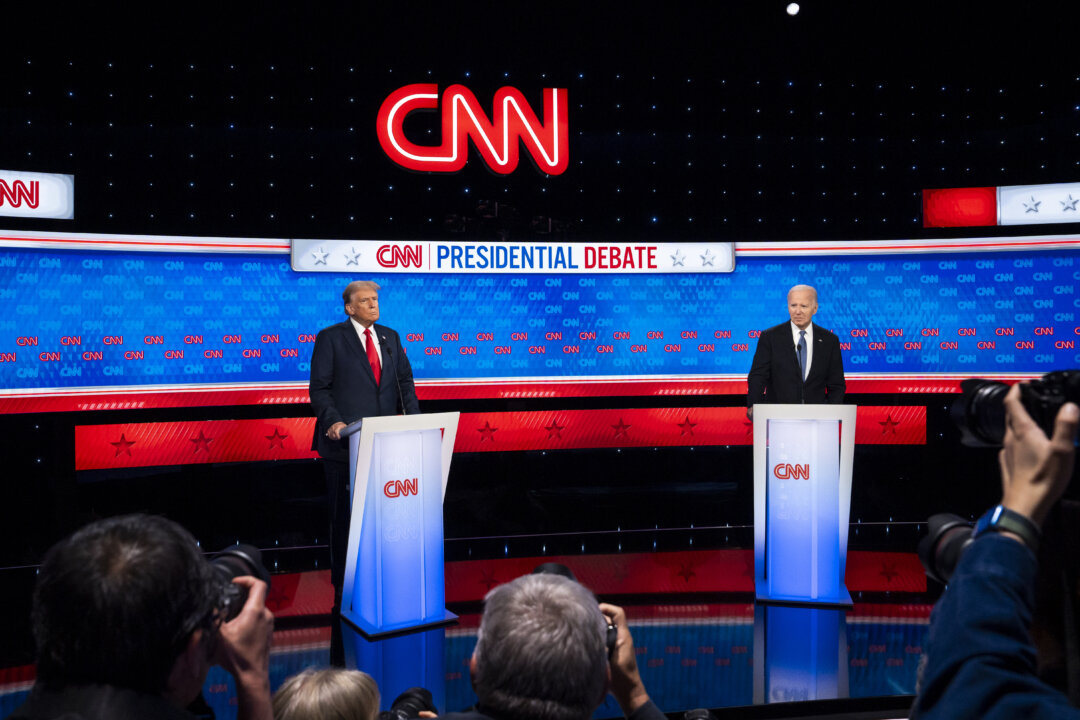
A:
[103,322]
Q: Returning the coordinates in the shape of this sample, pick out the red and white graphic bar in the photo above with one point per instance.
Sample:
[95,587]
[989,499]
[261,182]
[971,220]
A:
[1003,205]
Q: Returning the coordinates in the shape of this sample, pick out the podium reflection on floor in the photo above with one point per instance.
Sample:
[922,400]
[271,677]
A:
[399,662]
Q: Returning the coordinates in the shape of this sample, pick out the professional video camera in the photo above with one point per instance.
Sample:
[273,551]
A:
[233,562]
[980,412]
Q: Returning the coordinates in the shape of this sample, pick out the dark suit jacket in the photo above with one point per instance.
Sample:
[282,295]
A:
[343,389]
[775,378]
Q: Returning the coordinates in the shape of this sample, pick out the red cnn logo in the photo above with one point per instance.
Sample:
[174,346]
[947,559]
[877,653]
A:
[787,471]
[462,117]
[389,256]
[400,488]
[17,193]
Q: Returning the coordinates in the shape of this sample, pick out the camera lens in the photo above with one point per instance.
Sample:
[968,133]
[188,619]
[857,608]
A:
[947,537]
[233,562]
[980,412]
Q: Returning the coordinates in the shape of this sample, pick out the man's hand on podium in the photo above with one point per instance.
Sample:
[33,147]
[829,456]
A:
[334,433]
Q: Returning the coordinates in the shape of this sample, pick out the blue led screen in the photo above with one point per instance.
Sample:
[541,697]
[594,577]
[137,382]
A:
[90,319]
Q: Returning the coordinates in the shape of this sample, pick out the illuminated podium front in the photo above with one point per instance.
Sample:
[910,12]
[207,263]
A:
[394,567]
[802,500]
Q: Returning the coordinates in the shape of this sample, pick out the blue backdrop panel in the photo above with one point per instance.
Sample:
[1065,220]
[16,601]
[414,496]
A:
[78,319]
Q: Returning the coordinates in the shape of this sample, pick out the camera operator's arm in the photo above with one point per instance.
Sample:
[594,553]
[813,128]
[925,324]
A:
[626,683]
[245,651]
[1035,469]
[981,660]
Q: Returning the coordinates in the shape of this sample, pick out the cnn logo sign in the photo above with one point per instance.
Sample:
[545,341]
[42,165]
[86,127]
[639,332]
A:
[787,471]
[41,195]
[513,123]
[17,193]
[389,256]
[400,488]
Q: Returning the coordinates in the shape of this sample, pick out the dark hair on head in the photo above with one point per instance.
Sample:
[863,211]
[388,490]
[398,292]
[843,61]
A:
[116,603]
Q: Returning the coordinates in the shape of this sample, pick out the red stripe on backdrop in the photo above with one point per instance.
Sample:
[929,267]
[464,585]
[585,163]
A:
[127,445]
[92,399]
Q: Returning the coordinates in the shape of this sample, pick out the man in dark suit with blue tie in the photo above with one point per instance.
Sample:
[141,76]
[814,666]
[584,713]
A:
[358,370]
[797,361]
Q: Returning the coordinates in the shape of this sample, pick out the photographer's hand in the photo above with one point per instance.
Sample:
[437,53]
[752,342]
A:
[626,683]
[245,651]
[1035,469]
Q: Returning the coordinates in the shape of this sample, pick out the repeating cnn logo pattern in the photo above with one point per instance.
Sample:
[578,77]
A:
[496,139]
[787,471]
[17,193]
[400,488]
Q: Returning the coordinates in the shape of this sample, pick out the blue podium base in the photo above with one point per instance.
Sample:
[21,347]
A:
[761,589]
[374,632]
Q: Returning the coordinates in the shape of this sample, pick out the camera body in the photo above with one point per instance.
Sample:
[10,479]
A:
[980,412]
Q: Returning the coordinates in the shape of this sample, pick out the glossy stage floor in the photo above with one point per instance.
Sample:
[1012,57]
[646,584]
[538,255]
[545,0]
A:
[701,640]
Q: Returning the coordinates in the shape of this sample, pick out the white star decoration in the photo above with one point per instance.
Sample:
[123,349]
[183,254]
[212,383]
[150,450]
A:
[1069,203]
[1033,207]
[707,258]
[677,259]
[353,259]
[320,256]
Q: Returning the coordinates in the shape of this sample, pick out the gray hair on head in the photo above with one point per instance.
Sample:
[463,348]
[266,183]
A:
[541,653]
[798,288]
[355,286]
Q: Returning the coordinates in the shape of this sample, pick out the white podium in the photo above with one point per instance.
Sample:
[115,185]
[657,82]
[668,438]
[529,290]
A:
[394,566]
[802,500]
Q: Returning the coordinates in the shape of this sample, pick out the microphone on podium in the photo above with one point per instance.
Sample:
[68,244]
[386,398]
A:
[397,383]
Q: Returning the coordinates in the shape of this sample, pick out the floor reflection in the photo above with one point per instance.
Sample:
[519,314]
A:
[699,655]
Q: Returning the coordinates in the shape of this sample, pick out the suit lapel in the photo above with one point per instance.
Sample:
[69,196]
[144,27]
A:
[384,342]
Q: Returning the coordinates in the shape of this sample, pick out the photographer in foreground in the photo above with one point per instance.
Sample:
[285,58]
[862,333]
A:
[546,650]
[128,618]
[981,659]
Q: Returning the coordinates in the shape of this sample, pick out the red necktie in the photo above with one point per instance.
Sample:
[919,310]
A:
[372,355]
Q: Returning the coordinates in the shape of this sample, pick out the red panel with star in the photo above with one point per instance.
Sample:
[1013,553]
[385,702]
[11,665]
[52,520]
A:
[182,443]
[185,443]
[691,571]
[658,427]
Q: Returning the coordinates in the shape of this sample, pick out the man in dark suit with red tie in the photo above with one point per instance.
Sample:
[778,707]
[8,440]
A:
[358,370]
[797,361]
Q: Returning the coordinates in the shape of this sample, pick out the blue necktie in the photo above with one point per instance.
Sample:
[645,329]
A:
[802,354]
